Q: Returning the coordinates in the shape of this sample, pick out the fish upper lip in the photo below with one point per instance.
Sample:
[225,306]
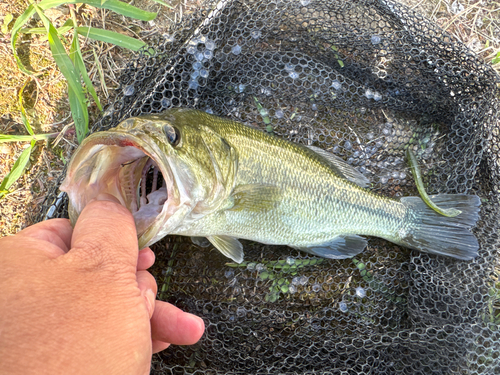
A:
[149,148]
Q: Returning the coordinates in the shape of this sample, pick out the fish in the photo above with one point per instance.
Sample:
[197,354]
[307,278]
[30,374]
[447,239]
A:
[186,172]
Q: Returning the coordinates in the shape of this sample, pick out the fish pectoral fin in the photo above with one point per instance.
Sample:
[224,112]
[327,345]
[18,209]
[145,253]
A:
[342,168]
[254,197]
[229,246]
[340,247]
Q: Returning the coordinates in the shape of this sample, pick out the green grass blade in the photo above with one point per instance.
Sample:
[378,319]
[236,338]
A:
[121,8]
[41,30]
[78,102]
[26,138]
[6,21]
[496,59]
[20,21]
[113,5]
[24,119]
[164,4]
[77,58]
[111,37]
[16,171]
[78,112]
[101,73]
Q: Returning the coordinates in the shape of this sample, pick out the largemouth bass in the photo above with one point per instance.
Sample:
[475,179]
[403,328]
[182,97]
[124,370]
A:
[189,173]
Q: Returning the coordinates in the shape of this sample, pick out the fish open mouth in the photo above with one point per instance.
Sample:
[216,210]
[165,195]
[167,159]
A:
[135,172]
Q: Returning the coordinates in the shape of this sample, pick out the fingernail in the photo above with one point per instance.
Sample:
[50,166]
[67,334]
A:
[150,301]
[107,197]
[200,321]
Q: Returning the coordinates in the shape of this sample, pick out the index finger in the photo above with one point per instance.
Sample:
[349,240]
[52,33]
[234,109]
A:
[56,231]
[105,233]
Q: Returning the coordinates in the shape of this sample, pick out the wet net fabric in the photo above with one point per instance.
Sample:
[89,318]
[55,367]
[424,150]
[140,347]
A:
[363,80]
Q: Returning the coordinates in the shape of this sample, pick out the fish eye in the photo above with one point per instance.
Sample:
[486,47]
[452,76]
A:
[172,135]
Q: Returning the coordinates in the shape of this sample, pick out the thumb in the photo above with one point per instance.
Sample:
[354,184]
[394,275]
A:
[105,235]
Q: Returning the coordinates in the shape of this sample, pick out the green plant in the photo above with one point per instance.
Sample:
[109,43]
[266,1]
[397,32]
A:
[496,59]
[278,273]
[71,65]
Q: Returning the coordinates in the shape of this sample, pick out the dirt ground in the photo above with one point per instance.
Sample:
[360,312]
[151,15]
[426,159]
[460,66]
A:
[476,23]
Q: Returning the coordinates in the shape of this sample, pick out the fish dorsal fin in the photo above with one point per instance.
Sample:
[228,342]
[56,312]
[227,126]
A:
[229,246]
[342,168]
[340,247]
[254,197]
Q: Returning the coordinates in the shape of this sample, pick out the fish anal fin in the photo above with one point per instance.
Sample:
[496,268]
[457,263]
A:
[340,247]
[229,246]
[342,168]
[254,197]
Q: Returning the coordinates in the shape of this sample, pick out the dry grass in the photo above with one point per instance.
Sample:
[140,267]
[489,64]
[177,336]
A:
[477,25]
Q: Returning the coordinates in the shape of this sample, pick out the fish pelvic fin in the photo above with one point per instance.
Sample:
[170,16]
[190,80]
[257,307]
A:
[229,246]
[437,234]
[340,247]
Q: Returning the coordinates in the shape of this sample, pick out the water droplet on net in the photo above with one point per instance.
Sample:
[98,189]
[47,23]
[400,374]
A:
[208,54]
[250,266]
[279,114]
[199,56]
[197,65]
[336,85]
[191,50]
[203,73]
[241,88]
[129,90]
[240,311]
[290,260]
[314,107]
[165,103]
[377,96]
[228,274]
[193,85]
[260,267]
[236,50]
[210,45]
[369,94]
[375,39]
[305,2]
[195,74]
[265,91]
[209,110]
[292,289]
[384,179]
[296,280]
[360,292]
[316,288]
[343,306]
[303,280]
[293,75]
[347,145]
[255,34]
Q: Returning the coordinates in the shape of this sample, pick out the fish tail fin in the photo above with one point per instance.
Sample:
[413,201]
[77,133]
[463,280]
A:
[437,234]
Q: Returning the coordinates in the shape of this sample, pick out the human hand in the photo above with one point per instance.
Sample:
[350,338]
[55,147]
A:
[80,301]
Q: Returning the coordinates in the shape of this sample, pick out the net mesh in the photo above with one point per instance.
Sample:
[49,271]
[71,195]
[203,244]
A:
[364,80]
